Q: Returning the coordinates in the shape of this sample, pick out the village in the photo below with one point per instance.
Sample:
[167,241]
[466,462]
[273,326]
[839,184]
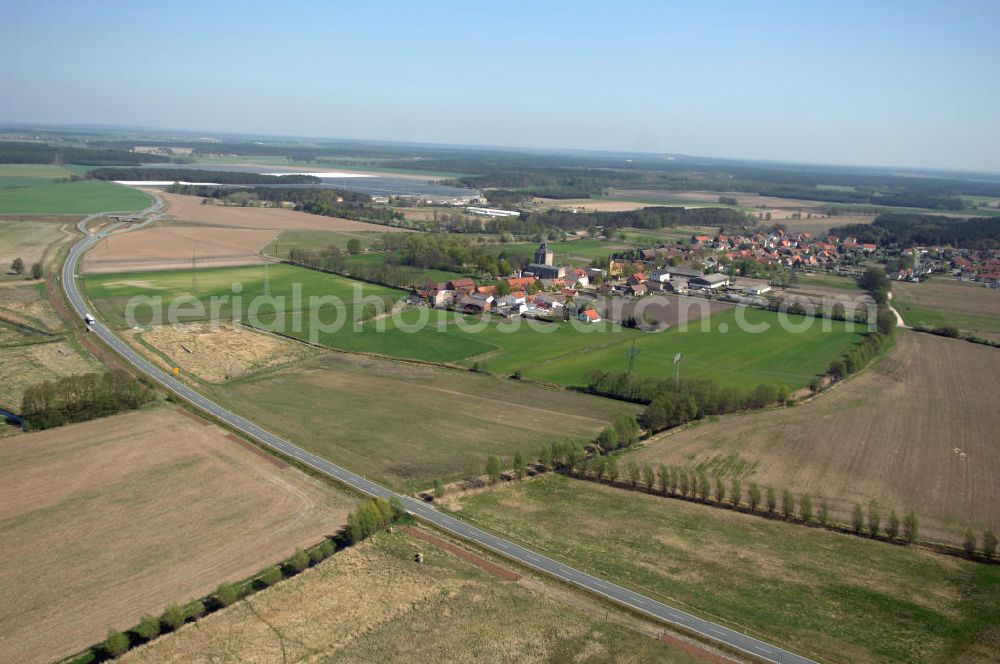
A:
[706,267]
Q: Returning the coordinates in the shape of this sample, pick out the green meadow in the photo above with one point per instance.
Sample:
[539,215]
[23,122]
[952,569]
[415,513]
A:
[726,347]
[740,347]
[34,194]
[192,292]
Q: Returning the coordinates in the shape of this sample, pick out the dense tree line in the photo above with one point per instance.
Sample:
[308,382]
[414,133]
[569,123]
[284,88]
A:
[542,223]
[671,403]
[198,175]
[15,152]
[905,230]
[333,259]
[82,397]
[448,252]
[868,196]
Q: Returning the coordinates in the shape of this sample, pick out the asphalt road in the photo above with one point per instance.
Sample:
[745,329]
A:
[615,593]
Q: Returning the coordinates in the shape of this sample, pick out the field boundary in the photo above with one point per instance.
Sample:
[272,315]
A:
[942,548]
[198,608]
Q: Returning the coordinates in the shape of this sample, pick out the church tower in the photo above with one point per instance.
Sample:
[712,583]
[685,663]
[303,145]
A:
[543,255]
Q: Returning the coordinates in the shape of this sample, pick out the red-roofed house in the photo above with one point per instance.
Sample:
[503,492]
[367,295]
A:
[521,282]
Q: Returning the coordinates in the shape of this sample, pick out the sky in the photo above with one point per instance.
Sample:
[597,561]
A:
[896,83]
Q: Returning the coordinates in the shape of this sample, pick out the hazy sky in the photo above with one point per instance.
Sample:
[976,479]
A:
[905,83]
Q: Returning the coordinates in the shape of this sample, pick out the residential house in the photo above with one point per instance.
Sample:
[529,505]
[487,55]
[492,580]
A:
[475,304]
[590,316]
[464,285]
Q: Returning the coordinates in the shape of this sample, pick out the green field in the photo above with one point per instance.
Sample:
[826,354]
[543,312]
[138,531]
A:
[561,353]
[44,196]
[647,236]
[112,292]
[408,424]
[571,252]
[833,597]
[724,352]
[43,171]
[828,281]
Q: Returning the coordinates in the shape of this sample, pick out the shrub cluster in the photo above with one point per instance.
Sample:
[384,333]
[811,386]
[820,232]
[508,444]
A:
[671,403]
[82,397]
[373,515]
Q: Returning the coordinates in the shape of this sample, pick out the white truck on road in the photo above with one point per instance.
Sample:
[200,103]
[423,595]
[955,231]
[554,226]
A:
[88,319]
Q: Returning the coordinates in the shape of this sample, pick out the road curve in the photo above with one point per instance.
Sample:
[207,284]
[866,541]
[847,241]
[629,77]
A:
[506,548]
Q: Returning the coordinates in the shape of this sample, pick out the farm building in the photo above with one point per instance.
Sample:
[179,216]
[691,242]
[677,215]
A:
[463,285]
[757,289]
[709,282]
[491,212]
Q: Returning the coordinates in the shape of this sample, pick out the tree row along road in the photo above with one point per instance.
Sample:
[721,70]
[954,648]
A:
[623,596]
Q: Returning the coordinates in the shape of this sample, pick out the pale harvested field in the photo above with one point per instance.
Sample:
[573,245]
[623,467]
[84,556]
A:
[944,301]
[371,603]
[822,298]
[223,353]
[33,240]
[589,204]
[23,366]
[110,519]
[189,208]
[27,302]
[917,432]
[166,246]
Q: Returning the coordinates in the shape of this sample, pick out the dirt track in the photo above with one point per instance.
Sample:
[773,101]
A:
[131,512]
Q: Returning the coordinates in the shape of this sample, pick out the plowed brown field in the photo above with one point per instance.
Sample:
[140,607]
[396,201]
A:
[171,246]
[920,431]
[189,208]
[106,520]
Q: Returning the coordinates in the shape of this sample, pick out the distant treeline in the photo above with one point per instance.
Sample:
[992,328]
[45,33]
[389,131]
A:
[15,152]
[197,175]
[865,196]
[576,174]
[906,230]
[535,223]
[81,397]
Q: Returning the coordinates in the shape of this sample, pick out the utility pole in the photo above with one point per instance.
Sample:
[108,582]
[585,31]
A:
[632,354]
